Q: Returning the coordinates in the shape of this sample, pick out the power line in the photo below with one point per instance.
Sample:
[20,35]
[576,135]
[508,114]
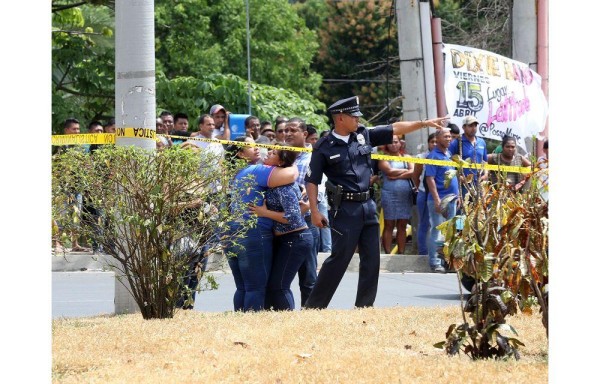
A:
[360,80]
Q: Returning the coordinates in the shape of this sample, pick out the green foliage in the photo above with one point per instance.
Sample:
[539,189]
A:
[82,64]
[358,42]
[483,24]
[503,246]
[158,211]
[195,96]
[200,59]
[314,13]
[199,37]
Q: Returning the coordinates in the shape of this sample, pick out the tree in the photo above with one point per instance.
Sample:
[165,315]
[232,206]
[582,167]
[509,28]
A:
[358,53]
[194,39]
[195,96]
[200,37]
[82,61]
[158,214]
[483,24]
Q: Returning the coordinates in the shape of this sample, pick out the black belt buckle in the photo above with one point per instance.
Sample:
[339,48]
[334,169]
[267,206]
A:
[357,196]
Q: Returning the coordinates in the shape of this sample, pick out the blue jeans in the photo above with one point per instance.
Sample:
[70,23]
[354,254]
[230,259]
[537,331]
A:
[436,238]
[423,229]
[307,274]
[251,268]
[325,233]
[290,252]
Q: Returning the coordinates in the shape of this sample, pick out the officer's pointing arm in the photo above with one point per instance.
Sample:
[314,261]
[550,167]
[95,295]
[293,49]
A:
[404,127]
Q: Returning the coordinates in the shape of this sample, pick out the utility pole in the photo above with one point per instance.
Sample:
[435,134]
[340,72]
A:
[135,98]
[416,67]
[524,37]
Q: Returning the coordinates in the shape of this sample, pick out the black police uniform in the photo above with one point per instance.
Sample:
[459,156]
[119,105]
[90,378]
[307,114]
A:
[349,165]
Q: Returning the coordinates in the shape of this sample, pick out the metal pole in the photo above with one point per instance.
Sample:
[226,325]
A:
[428,64]
[248,49]
[438,64]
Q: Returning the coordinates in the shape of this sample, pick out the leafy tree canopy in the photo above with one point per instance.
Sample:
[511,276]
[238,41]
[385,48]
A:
[194,39]
[483,24]
[195,96]
[82,61]
[358,53]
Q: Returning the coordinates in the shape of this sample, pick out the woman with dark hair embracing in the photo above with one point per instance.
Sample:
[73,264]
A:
[251,266]
[293,239]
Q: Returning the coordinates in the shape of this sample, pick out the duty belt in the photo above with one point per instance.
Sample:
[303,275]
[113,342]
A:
[356,196]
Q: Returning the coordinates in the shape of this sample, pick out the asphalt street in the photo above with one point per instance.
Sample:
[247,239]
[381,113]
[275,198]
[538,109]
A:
[91,293]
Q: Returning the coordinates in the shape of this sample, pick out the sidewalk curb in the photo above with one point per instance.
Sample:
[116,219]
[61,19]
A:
[80,261]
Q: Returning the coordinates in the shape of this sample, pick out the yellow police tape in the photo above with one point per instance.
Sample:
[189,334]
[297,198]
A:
[146,133]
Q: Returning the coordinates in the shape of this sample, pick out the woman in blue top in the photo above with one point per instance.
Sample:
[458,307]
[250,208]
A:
[293,239]
[251,266]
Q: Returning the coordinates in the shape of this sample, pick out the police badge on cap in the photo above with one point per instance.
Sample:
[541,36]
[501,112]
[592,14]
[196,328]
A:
[348,106]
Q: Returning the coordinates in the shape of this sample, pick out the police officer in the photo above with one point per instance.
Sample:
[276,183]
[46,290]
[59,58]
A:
[344,156]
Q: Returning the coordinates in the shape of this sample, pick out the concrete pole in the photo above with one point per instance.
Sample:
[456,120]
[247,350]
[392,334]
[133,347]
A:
[427,42]
[543,65]
[438,61]
[135,99]
[524,33]
[412,69]
[525,41]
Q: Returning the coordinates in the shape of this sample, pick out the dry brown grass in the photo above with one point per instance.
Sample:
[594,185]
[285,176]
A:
[376,345]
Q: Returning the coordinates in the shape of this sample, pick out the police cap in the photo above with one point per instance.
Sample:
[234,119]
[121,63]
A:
[348,106]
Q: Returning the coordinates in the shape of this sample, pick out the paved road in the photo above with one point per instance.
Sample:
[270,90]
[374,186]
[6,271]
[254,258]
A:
[80,294]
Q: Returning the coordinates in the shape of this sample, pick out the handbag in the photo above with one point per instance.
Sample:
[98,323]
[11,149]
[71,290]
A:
[414,191]
[412,188]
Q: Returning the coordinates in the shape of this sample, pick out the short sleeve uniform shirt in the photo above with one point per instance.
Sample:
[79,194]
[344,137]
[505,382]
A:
[347,164]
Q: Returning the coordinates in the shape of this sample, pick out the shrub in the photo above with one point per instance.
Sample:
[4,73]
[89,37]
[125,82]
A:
[503,247]
[157,213]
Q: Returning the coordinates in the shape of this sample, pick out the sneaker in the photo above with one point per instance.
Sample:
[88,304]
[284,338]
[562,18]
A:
[438,269]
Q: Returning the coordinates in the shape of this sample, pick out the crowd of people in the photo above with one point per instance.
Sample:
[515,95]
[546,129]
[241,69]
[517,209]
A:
[320,199]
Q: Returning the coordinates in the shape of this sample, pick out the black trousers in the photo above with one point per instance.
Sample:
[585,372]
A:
[359,226]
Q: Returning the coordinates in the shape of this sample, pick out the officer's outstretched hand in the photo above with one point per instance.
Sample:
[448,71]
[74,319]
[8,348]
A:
[318,219]
[437,123]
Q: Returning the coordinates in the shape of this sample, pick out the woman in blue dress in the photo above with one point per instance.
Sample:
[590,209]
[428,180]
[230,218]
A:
[396,196]
[293,239]
[251,265]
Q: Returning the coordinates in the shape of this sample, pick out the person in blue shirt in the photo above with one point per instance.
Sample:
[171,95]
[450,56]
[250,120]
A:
[296,132]
[251,265]
[435,176]
[469,146]
[293,238]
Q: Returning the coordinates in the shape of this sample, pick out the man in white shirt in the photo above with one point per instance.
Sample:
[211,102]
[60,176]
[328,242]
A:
[206,127]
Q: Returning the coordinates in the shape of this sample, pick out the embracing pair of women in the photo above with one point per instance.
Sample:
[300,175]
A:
[269,255]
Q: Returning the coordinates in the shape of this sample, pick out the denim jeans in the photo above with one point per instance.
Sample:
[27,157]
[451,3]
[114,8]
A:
[325,233]
[198,262]
[423,228]
[289,253]
[307,274]
[436,238]
[251,268]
